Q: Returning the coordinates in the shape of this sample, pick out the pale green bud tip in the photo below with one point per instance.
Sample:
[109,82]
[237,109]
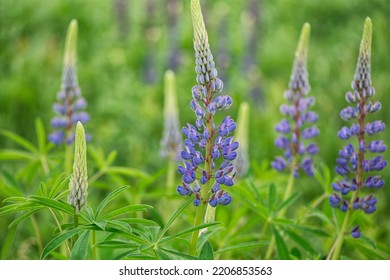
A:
[170,102]
[78,184]
[303,44]
[243,126]
[365,44]
[70,56]
[200,33]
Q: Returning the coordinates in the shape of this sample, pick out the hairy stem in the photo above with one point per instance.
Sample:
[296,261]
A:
[206,188]
[359,181]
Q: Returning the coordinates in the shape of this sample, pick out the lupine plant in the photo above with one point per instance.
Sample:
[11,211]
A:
[209,150]
[70,105]
[353,192]
[119,207]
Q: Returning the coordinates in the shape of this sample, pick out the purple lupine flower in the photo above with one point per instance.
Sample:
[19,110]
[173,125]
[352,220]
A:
[70,104]
[209,150]
[353,162]
[298,125]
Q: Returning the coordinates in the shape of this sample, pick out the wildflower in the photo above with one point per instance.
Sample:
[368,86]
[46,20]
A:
[171,143]
[208,150]
[78,184]
[298,124]
[70,104]
[353,162]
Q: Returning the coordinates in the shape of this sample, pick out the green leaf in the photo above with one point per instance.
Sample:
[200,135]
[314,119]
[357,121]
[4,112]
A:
[300,241]
[174,217]
[306,229]
[111,157]
[370,253]
[186,231]
[131,172]
[81,246]
[271,196]
[288,201]
[23,216]
[97,156]
[207,252]
[59,185]
[107,200]
[7,243]
[117,244]
[281,246]
[56,204]
[179,254]
[127,209]
[41,135]
[162,255]
[11,154]
[11,183]
[101,224]
[19,140]
[58,240]
[122,226]
[139,221]
[242,246]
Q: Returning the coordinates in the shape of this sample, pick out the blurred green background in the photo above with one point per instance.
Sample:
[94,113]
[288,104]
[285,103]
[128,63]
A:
[124,48]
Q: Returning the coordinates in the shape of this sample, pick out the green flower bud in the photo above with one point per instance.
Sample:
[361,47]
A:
[78,184]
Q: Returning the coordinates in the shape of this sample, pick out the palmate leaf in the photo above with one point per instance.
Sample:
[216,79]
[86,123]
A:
[300,241]
[12,154]
[126,209]
[174,217]
[58,240]
[19,140]
[108,199]
[80,248]
[185,232]
[51,203]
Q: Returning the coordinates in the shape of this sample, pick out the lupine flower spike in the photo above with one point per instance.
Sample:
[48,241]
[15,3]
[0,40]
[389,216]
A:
[209,150]
[78,184]
[353,191]
[298,125]
[70,104]
[171,143]
[242,136]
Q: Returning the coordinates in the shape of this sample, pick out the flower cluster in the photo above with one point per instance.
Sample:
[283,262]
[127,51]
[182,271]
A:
[70,106]
[352,162]
[298,122]
[209,150]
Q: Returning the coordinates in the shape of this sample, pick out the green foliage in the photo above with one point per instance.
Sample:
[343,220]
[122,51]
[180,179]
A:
[131,212]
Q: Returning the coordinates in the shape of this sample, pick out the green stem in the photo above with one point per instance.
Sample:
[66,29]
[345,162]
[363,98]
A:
[200,211]
[359,182]
[195,234]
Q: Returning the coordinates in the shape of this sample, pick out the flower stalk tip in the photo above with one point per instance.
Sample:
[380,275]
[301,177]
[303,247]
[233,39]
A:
[78,184]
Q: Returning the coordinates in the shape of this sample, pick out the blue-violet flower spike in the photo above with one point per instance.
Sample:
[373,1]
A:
[353,164]
[209,149]
[298,123]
